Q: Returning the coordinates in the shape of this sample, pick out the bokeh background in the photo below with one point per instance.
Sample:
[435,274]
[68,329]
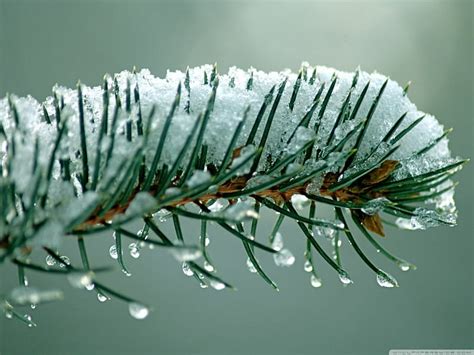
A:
[43,42]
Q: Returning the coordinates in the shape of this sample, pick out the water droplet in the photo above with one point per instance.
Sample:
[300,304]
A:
[386,280]
[299,201]
[184,253]
[217,285]
[250,266]
[374,206]
[344,277]
[137,310]
[142,233]
[33,306]
[50,261]
[187,270]
[25,281]
[102,298]
[239,212]
[316,282]
[127,273]
[113,252]
[81,280]
[326,232]
[339,242]
[163,215]
[277,243]
[134,250]
[207,241]
[202,284]
[208,266]
[406,266]
[308,267]
[66,261]
[218,205]
[9,314]
[284,258]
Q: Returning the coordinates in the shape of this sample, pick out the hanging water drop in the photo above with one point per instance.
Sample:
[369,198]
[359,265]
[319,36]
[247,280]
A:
[134,250]
[217,285]
[315,282]
[101,297]
[113,252]
[284,258]
[308,267]
[187,270]
[202,284]
[33,306]
[344,277]
[138,310]
[386,280]
[208,266]
[405,266]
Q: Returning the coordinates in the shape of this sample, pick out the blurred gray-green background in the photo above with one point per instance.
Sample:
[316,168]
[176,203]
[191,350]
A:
[43,42]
